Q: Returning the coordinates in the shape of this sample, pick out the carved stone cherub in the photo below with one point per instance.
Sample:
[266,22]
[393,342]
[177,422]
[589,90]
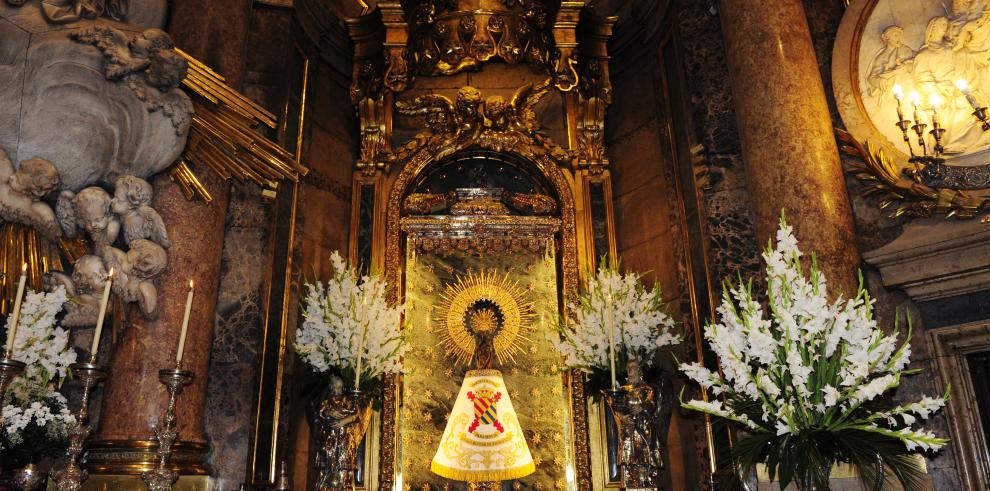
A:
[132,202]
[21,192]
[148,65]
[88,211]
[84,288]
[135,272]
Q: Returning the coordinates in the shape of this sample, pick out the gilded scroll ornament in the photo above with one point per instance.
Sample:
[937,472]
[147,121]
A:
[903,189]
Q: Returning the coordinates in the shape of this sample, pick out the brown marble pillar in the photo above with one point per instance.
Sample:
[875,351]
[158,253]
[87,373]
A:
[216,33]
[792,162]
[134,399]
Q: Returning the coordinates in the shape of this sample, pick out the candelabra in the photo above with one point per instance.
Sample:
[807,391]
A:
[162,478]
[72,476]
[9,370]
[928,159]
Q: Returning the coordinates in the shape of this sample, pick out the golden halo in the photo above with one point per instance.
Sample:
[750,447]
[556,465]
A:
[483,302]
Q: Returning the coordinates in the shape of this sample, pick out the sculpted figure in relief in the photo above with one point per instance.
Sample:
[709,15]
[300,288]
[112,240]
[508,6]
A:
[21,191]
[149,66]
[84,288]
[132,202]
[135,272]
[88,211]
[893,55]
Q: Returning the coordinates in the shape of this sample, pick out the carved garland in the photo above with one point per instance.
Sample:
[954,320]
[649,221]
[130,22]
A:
[493,125]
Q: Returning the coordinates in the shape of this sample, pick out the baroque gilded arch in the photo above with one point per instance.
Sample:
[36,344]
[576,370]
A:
[471,122]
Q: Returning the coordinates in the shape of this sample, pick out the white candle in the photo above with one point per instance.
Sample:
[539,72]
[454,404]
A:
[360,350]
[99,319]
[916,102]
[936,102]
[12,330]
[964,88]
[898,94]
[185,324]
[611,341]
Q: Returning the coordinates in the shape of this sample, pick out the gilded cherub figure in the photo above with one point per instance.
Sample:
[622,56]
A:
[84,288]
[132,202]
[21,191]
[88,211]
[135,272]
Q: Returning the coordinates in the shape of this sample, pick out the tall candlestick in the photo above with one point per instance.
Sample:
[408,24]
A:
[12,330]
[611,341]
[99,319]
[964,88]
[360,350]
[185,324]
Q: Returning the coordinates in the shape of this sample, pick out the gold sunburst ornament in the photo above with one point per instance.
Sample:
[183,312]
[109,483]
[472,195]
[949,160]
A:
[480,303]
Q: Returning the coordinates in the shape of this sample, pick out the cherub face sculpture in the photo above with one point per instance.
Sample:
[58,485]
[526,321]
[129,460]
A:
[150,40]
[34,178]
[130,193]
[89,274]
[167,69]
[497,112]
[93,210]
[146,258]
[468,101]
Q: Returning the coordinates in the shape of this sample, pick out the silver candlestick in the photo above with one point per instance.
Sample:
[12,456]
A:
[9,370]
[71,477]
[162,478]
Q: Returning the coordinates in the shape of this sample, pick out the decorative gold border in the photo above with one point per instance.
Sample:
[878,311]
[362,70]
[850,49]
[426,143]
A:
[429,149]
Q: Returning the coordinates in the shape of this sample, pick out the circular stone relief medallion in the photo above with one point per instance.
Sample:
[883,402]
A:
[924,46]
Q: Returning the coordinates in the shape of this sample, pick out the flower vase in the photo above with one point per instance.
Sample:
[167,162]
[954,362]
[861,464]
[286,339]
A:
[813,479]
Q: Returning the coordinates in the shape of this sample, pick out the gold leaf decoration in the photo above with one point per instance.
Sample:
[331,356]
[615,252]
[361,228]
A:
[226,136]
[901,191]
[21,244]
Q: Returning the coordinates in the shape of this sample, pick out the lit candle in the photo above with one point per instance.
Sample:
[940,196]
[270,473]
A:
[964,88]
[611,342]
[12,330]
[936,102]
[185,324]
[360,350]
[916,102]
[898,95]
[99,319]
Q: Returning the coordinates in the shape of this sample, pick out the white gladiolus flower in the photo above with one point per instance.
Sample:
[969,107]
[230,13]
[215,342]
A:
[345,313]
[33,400]
[805,362]
[635,314]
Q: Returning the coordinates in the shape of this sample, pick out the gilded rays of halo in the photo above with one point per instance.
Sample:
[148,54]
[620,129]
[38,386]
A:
[482,302]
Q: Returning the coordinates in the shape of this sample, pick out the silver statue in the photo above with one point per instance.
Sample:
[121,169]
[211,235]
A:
[341,420]
[641,412]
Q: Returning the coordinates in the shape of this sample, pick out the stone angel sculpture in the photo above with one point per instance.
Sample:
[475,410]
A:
[21,191]
[84,288]
[135,272]
[132,202]
[88,211]
[149,66]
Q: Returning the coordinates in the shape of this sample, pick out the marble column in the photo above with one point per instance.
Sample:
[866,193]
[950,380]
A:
[134,399]
[791,158]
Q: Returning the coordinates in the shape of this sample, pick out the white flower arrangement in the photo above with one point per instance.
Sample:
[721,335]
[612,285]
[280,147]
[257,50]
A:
[33,405]
[811,366]
[347,312]
[636,314]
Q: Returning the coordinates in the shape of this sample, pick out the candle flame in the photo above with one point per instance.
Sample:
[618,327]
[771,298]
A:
[915,98]
[898,91]
[110,275]
[936,100]
[24,268]
[962,85]
[190,284]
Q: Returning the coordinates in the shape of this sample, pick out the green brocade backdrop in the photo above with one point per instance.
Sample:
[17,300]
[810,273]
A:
[432,379]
